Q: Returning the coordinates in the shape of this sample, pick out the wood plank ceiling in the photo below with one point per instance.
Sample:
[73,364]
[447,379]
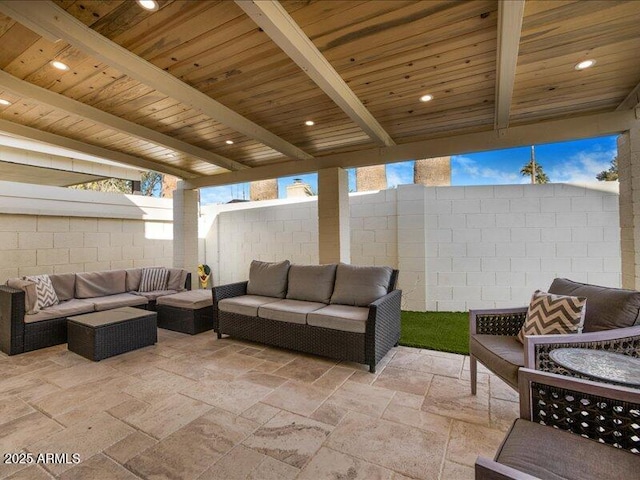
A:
[389,53]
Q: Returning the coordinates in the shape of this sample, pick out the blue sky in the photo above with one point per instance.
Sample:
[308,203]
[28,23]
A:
[576,161]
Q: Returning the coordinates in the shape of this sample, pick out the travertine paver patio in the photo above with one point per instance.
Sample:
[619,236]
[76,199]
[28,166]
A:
[202,408]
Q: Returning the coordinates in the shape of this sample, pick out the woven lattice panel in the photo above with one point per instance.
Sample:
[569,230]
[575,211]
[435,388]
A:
[613,422]
[500,324]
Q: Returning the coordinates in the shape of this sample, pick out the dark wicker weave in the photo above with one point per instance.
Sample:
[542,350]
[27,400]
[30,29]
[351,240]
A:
[508,323]
[16,336]
[381,334]
[99,342]
[185,320]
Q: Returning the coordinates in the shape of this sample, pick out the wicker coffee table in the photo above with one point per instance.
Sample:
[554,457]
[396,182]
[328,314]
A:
[99,335]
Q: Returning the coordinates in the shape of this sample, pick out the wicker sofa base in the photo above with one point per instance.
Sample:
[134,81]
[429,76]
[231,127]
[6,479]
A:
[185,320]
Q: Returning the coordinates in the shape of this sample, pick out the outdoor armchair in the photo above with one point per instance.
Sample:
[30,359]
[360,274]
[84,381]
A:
[612,322]
[569,428]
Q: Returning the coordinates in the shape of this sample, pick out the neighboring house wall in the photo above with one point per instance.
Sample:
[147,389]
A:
[55,230]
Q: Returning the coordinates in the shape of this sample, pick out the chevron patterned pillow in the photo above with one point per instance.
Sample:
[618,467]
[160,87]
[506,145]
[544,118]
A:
[44,291]
[549,313]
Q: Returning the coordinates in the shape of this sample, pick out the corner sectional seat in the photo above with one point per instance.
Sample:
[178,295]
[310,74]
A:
[340,311]
[22,330]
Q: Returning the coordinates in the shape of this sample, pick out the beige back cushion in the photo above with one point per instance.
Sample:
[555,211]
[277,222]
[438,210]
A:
[177,277]
[268,279]
[99,284]
[30,294]
[64,284]
[133,279]
[359,286]
[313,283]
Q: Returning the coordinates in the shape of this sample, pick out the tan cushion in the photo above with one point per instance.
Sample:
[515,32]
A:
[190,299]
[360,286]
[154,278]
[155,294]
[548,314]
[30,294]
[177,277]
[61,310]
[117,301]
[99,284]
[64,284]
[245,304]
[268,279]
[132,282]
[340,317]
[502,354]
[44,290]
[546,452]
[292,311]
[313,283]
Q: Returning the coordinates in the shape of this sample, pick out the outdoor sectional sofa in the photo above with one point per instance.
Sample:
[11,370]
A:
[77,293]
[344,312]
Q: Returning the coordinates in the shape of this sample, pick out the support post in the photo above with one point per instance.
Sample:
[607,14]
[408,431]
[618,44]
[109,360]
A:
[629,177]
[185,230]
[334,235]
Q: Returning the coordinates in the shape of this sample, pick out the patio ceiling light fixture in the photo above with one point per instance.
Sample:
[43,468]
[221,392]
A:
[4,102]
[150,5]
[59,65]
[585,64]
[426,98]
[229,142]
[309,123]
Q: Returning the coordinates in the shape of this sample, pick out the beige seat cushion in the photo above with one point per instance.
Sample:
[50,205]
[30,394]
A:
[177,277]
[502,354]
[62,310]
[553,454]
[245,304]
[360,286]
[340,317]
[99,284]
[292,311]
[64,284]
[30,294]
[119,300]
[268,279]
[155,294]
[191,299]
[312,283]
[134,275]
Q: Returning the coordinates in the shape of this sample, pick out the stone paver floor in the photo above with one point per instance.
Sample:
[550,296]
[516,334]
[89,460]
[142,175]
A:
[195,407]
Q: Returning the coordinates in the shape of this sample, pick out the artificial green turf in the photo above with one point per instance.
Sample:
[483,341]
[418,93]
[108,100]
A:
[444,331]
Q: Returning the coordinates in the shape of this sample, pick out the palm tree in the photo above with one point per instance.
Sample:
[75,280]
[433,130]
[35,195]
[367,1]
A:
[532,166]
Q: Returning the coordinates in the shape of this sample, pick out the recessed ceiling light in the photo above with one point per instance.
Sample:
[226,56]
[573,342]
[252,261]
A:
[309,123]
[4,102]
[229,142]
[426,98]
[585,64]
[151,5]
[59,65]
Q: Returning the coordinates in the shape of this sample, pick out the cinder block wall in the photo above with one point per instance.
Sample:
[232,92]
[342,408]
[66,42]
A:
[45,230]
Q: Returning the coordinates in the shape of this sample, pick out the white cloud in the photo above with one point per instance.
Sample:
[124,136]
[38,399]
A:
[399,174]
[465,166]
[582,167]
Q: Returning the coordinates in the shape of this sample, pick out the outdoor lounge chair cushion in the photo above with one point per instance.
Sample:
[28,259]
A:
[64,284]
[189,299]
[30,294]
[292,311]
[555,454]
[132,283]
[62,310]
[177,277]
[313,283]
[340,317]
[268,279]
[119,300]
[607,308]
[245,304]
[360,286]
[502,354]
[99,284]
[155,294]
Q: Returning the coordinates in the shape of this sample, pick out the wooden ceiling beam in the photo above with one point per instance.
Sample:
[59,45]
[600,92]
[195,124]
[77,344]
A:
[541,132]
[287,34]
[632,101]
[64,142]
[47,16]
[52,99]
[510,14]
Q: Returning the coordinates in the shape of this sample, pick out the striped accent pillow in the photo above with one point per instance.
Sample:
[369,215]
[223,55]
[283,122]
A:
[153,279]
[549,314]
[46,295]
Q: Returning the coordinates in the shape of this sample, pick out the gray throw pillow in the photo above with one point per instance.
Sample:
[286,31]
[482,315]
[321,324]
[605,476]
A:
[313,283]
[30,294]
[359,286]
[268,279]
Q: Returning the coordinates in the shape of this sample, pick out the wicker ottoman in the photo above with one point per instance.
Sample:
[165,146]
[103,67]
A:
[99,335]
[187,312]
